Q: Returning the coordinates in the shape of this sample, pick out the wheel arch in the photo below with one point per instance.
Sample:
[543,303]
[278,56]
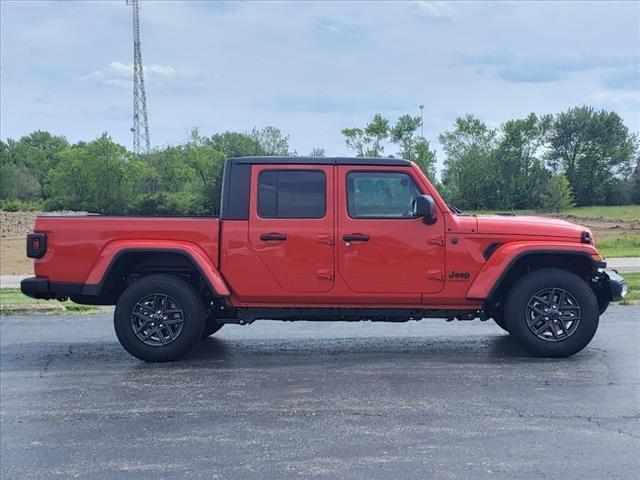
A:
[510,263]
[107,277]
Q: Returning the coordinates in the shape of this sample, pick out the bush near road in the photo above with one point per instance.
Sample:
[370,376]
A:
[633,280]
[12,301]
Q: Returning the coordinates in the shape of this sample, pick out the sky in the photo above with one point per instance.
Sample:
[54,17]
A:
[310,68]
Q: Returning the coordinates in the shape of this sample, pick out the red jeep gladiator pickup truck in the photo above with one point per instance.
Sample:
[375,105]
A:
[325,239]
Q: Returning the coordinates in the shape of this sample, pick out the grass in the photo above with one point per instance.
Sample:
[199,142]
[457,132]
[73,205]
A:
[633,280]
[10,297]
[616,212]
[627,245]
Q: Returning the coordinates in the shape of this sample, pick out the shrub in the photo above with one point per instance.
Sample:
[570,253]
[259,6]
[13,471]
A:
[14,205]
[558,195]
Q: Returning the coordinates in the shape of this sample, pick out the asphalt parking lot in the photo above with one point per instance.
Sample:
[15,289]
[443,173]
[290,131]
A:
[305,400]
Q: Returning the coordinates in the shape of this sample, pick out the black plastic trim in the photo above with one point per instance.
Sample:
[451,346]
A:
[236,177]
[40,287]
[319,161]
[96,289]
[617,285]
[490,250]
[249,314]
[236,185]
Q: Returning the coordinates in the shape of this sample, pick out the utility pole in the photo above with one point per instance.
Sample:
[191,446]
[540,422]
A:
[421,107]
[140,127]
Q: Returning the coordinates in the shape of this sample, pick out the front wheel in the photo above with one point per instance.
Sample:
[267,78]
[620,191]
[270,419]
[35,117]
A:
[211,326]
[159,318]
[551,313]
[498,317]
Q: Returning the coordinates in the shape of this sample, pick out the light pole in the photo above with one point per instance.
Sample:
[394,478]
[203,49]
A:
[421,107]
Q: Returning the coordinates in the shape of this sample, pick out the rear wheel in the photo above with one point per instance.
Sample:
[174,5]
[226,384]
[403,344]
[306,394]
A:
[159,318]
[551,313]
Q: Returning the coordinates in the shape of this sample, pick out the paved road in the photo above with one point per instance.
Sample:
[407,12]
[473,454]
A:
[310,400]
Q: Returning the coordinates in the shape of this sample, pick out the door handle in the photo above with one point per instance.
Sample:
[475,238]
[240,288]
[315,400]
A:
[271,237]
[356,237]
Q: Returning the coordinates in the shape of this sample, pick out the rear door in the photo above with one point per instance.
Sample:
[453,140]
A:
[382,248]
[291,225]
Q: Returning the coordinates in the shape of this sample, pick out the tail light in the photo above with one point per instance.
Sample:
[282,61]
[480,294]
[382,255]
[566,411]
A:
[36,245]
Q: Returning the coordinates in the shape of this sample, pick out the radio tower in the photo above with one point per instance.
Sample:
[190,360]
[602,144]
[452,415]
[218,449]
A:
[140,127]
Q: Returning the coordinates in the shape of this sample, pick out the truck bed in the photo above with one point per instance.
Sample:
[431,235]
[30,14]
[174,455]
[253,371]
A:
[75,242]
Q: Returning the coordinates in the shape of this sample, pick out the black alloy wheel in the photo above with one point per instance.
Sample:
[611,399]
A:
[157,320]
[553,314]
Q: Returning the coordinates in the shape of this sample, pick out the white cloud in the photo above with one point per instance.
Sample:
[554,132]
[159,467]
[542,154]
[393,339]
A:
[615,98]
[120,74]
[311,68]
[436,10]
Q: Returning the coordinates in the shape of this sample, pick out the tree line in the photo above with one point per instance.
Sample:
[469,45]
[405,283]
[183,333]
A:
[45,171]
[551,162]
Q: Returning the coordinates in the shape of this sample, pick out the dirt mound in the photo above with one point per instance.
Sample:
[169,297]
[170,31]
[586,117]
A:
[18,224]
[604,228]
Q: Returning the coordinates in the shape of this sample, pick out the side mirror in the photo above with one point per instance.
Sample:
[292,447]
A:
[425,207]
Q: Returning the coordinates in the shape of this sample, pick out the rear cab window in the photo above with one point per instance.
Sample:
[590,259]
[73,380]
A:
[292,194]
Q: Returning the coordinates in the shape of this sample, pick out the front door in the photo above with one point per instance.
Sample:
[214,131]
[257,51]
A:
[382,248]
[291,226]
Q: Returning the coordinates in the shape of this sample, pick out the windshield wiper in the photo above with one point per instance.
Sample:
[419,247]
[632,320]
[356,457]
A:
[456,210]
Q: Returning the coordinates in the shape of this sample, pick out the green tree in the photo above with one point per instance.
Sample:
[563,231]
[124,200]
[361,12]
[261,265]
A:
[592,148]
[635,182]
[403,134]
[7,171]
[272,141]
[519,160]
[558,195]
[318,152]
[468,173]
[377,133]
[370,141]
[235,144]
[92,178]
[356,140]
[425,157]
[37,153]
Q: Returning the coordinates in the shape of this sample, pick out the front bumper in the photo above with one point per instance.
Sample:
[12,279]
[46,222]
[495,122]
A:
[617,285]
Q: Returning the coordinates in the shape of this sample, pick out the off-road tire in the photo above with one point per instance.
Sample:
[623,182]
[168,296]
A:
[181,294]
[498,317]
[525,292]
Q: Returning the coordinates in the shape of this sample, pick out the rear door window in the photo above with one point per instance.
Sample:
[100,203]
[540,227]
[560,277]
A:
[292,194]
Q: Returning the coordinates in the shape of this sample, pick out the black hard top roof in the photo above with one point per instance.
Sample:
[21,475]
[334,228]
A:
[321,161]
